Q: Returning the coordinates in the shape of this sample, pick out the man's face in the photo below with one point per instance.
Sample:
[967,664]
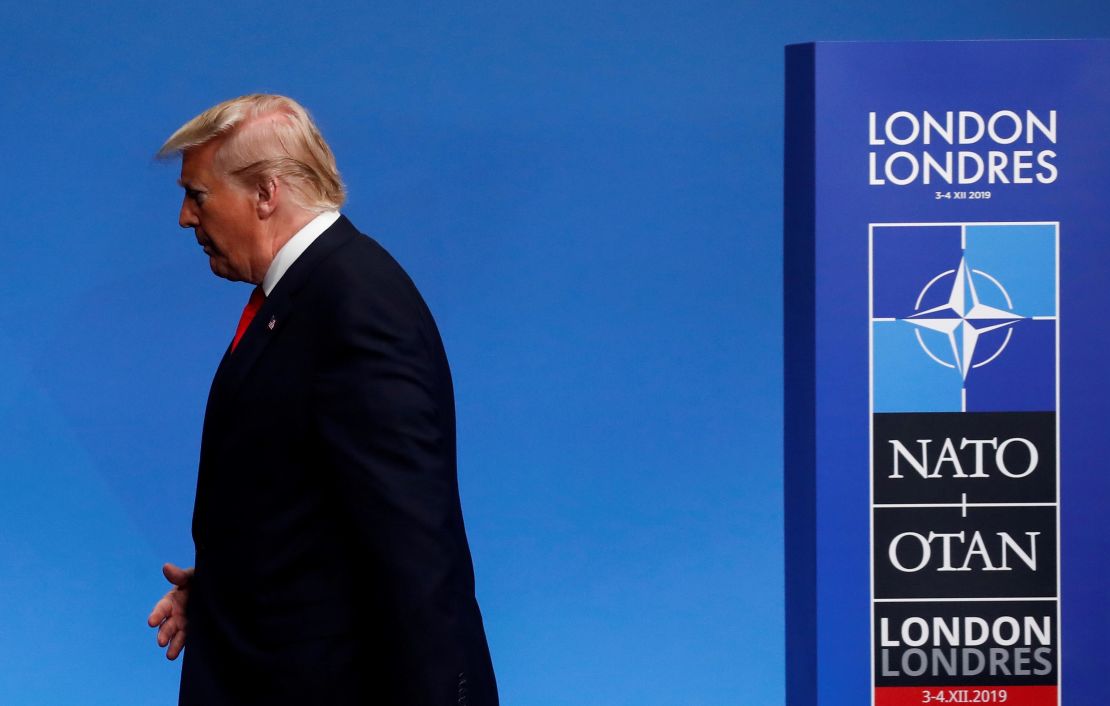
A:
[222,215]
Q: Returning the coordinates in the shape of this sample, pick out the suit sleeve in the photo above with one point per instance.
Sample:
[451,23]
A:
[384,411]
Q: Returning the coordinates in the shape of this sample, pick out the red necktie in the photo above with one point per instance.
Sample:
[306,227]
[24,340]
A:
[258,298]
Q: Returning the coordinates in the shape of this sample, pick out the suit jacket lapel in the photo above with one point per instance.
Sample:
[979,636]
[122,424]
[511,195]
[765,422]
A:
[267,323]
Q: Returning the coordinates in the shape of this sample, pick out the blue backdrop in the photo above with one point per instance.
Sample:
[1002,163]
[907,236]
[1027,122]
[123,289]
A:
[589,196]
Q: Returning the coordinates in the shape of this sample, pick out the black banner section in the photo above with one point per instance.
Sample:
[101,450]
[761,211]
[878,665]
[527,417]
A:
[996,552]
[1003,643]
[939,457]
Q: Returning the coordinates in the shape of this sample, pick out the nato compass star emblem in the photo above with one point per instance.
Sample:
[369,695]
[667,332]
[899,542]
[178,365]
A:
[963,319]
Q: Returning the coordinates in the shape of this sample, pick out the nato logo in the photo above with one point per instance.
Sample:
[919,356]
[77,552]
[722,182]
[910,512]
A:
[963,317]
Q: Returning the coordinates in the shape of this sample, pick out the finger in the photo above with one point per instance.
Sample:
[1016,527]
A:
[167,632]
[162,610]
[175,574]
[176,645]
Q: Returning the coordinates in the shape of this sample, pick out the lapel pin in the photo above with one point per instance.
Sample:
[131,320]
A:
[272,324]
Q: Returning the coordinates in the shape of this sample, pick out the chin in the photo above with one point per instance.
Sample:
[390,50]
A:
[222,268]
[220,271]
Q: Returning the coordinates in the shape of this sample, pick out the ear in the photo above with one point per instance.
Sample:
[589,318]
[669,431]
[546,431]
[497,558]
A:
[266,197]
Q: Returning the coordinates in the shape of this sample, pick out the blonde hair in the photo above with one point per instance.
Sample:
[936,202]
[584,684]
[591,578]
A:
[266,137]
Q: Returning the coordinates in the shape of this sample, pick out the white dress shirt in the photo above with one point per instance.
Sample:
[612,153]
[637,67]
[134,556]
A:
[295,246]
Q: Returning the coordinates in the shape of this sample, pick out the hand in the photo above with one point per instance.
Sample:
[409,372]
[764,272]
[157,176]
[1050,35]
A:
[169,613]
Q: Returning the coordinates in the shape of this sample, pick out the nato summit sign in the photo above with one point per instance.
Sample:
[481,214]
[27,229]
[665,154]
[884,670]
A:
[947,303]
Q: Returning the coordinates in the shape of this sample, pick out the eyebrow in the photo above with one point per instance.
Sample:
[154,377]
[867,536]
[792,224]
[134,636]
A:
[188,185]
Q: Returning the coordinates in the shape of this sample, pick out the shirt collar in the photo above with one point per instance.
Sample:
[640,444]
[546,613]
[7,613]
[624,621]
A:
[296,245]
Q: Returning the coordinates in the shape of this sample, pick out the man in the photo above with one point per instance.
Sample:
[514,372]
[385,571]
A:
[331,562]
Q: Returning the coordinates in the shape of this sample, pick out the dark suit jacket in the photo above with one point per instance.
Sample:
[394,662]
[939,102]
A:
[331,562]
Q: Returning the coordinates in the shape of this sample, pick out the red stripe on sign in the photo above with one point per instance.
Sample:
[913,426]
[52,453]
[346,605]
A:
[1009,695]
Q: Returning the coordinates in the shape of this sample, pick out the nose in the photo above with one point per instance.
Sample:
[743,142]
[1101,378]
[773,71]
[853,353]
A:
[187,218]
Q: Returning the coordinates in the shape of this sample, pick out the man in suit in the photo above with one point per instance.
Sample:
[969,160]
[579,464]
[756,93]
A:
[331,562]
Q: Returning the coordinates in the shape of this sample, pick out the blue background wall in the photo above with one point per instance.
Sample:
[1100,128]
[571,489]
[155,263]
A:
[589,196]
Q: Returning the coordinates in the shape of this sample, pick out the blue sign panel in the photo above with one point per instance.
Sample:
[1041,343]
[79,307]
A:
[946,251]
